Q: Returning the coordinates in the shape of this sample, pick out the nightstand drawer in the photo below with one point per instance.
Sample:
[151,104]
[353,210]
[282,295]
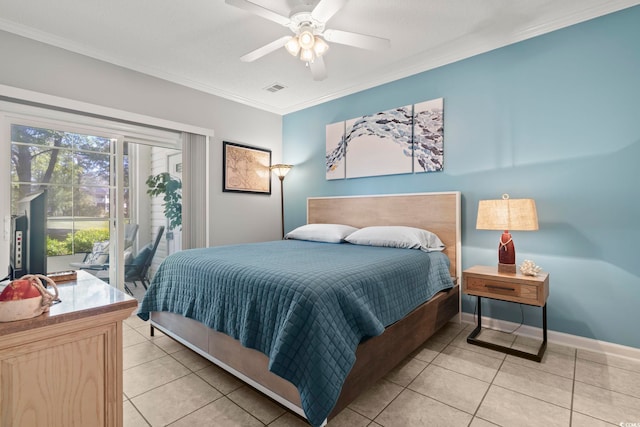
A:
[518,292]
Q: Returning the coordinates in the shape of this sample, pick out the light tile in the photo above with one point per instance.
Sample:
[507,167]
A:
[535,383]
[375,399]
[605,404]
[495,337]
[532,345]
[134,321]
[454,389]
[220,379]
[608,377]
[611,360]
[289,420]
[145,330]
[257,404]
[176,399]
[374,424]
[479,422]
[140,353]
[429,350]
[413,409]
[222,412]
[553,363]
[406,371]
[348,418]
[448,332]
[469,363]
[131,417]
[507,408]
[580,420]
[191,359]
[131,337]
[167,344]
[144,377]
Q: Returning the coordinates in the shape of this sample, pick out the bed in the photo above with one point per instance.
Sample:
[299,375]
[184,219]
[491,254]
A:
[332,340]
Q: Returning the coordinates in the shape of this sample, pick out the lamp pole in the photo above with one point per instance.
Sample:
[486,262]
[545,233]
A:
[282,202]
[281,171]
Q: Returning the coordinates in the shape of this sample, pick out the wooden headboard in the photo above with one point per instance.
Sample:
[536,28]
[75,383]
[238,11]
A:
[436,212]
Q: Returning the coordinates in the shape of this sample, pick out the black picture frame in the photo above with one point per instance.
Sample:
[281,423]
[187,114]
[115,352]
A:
[245,169]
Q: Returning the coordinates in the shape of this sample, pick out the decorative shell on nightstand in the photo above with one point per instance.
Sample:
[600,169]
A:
[529,268]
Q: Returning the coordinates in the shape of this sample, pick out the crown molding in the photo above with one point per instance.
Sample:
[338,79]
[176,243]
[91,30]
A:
[466,50]
[453,53]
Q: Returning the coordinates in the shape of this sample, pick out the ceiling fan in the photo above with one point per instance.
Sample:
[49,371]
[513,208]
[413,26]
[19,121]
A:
[309,41]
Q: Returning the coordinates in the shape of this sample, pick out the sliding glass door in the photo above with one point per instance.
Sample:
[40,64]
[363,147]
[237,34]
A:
[76,173]
[88,194]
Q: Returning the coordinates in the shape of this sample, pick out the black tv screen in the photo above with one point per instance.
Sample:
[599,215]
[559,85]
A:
[31,250]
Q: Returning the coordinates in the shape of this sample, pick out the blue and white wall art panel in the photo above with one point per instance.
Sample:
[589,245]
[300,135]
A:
[380,144]
[336,150]
[428,136]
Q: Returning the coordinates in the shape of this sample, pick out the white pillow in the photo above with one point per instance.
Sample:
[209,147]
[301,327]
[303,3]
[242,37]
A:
[397,236]
[329,233]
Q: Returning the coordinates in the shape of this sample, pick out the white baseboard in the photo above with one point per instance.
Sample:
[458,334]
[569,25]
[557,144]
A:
[558,337]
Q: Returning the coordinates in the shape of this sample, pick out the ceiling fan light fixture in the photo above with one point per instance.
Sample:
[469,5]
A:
[306,38]
[293,46]
[307,55]
[320,47]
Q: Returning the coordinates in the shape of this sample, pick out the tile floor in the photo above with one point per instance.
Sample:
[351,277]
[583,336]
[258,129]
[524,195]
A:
[447,382]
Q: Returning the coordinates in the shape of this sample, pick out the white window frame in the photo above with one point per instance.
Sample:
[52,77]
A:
[18,113]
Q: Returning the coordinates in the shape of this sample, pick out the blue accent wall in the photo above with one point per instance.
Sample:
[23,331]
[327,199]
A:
[555,118]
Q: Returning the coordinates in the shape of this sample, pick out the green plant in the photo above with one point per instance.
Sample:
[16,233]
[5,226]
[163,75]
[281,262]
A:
[81,241]
[57,247]
[170,188]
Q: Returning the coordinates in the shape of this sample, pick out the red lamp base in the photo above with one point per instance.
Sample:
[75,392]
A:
[506,268]
[506,254]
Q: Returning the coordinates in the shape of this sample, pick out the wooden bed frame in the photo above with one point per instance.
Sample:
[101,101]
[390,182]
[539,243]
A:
[375,357]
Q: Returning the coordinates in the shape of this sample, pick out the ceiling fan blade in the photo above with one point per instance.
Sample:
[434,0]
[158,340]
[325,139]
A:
[266,49]
[318,69]
[358,40]
[325,9]
[259,10]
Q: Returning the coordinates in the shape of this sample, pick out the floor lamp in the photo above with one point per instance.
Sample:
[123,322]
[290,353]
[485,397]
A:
[281,171]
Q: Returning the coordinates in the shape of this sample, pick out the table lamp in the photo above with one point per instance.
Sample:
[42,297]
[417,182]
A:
[507,214]
[281,171]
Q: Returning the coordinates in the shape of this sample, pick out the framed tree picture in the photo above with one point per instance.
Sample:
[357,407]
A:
[245,169]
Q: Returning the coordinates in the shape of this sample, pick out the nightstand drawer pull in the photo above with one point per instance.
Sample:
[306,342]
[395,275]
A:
[503,288]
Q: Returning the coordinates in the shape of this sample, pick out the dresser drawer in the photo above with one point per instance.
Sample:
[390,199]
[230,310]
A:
[517,292]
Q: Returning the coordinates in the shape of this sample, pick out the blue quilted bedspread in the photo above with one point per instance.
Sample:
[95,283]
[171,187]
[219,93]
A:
[305,305]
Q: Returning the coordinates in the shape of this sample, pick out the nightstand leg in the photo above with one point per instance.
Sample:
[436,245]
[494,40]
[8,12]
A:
[543,346]
[471,339]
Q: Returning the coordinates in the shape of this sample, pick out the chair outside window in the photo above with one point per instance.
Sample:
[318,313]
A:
[130,233]
[98,258]
[138,269]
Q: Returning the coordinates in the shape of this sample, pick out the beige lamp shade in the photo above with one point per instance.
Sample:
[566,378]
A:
[281,170]
[507,214]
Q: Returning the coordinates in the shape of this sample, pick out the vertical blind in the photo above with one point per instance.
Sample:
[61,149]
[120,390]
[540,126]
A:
[194,191]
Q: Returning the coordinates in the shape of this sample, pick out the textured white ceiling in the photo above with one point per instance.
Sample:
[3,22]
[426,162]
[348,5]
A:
[198,43]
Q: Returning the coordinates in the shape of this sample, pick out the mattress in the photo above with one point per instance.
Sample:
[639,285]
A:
[306,305]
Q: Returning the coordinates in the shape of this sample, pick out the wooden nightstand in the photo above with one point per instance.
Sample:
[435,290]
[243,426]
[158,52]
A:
[486,282]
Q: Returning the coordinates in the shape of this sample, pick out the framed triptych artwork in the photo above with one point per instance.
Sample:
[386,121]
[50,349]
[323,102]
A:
[402,140]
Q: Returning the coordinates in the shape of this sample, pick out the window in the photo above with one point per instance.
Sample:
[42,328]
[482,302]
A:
[75,169]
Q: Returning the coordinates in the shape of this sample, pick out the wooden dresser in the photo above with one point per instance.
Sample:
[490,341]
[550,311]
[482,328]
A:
[64,368]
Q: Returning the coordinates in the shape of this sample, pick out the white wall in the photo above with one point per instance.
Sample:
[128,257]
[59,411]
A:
[35,66]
